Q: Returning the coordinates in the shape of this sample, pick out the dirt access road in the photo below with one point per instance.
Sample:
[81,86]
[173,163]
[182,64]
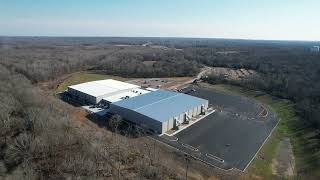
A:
[203,72]
[170,83]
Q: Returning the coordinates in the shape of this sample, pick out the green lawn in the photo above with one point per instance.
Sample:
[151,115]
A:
[304,139]
[81,77]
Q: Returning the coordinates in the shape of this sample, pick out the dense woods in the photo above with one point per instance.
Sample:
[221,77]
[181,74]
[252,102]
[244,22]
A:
[40,140]
[45,60]
[287,71]
[38,136]
[143,63]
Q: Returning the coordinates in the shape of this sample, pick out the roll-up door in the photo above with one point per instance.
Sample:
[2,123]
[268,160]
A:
[164,126]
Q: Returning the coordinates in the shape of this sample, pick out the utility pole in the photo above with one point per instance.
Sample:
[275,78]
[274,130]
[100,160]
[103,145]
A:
[187,161]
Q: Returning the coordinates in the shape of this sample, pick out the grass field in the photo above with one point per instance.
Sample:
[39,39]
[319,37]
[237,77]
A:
[304,139]
[81,77]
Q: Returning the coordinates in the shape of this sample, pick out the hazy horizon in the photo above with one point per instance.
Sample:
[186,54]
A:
[291,20]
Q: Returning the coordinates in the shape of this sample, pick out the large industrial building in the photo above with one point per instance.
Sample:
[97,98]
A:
[160,110]
[107,91]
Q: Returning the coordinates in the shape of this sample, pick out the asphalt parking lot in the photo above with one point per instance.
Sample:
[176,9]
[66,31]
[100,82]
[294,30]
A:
[229,138]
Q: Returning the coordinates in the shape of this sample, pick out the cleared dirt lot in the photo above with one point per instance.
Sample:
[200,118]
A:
[229,138]
[164,83]
[233,74]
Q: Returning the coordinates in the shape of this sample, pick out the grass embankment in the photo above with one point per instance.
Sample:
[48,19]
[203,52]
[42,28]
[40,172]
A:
[305,139]
[81,77]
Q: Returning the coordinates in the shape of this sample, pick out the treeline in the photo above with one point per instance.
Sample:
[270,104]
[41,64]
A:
[47,61]
[144,64]
[291,73]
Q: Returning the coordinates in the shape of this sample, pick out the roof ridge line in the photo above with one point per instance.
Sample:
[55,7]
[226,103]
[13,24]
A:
[105,84]
[157,102]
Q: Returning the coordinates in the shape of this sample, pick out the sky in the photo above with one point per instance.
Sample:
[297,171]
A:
[237,19]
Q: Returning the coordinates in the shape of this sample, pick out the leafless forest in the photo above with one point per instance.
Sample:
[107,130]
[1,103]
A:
[40,140]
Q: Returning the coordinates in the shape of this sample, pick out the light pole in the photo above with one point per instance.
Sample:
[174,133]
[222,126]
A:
[187,161]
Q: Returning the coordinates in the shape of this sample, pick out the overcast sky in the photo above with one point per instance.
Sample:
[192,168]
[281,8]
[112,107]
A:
[244,19]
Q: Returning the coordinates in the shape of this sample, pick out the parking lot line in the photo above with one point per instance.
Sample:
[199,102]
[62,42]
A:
[190,147]
[214,157]
[194,157]
[261,146]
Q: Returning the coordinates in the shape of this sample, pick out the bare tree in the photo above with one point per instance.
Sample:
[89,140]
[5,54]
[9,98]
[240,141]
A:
[114,123]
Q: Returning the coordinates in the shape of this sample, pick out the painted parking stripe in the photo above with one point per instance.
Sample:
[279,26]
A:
[190,147]
[175,139]
[193,156]
[214,157]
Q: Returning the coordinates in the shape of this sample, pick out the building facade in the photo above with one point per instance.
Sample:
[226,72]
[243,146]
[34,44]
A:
[160,110]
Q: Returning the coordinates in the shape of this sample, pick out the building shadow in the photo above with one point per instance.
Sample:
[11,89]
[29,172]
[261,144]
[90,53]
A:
[66,97]
[124,127]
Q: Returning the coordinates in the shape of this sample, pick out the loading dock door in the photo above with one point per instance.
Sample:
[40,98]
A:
[171,123]
[164,126]
[198,110]
[190,113]
[194,111]
[176,121]
[182,118]
[203,110]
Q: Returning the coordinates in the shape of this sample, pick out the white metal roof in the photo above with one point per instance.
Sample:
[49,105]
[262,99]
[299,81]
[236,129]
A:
[129,94]
[116,84]
[103,87]
[151,89]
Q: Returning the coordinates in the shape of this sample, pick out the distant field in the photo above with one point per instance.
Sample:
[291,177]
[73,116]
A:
[81,77]
[301,135]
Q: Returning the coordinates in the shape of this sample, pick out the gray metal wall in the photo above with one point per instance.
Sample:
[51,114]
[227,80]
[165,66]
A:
[137,118]
[167,125]
[152,123]
[171,123]
[82,97]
